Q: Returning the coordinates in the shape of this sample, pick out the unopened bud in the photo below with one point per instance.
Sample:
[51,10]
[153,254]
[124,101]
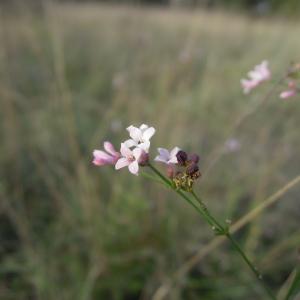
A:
[193,171]
[194,158]
[144,158]
[170,171]
[181,157]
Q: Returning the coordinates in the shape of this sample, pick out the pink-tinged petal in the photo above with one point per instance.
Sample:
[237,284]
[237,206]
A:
[137,153]
[288,94]
[121,163]
[163,153]
[260,73]
[101,155]
[148,133]
[130,143]
[125,151]
[98,162]
[108,146]
[103,162]
[134,168]
[145,146]
[248,85]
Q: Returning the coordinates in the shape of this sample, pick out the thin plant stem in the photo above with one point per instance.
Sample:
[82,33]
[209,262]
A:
[167,181]
[258,275]
[164,289]
[236,246]
[217,227]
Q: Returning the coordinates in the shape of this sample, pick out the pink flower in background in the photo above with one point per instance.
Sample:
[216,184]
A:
[130,158]
[292,91]
[256,77]
[140,137]
[232,145]
[109,157]
[167,157]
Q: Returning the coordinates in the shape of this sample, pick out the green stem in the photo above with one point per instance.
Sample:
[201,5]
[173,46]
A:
[236,246]
[205,209]
[257,274]
[161,176]
[217,227]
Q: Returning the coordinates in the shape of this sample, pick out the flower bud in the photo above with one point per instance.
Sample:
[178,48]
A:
[194,158]
[170,171]
[181,157]
[144,158]
[193,171]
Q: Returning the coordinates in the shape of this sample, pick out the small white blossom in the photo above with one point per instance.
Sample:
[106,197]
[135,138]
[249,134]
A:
[140,137]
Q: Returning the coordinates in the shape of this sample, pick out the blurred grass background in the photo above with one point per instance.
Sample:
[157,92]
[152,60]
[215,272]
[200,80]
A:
[74,75]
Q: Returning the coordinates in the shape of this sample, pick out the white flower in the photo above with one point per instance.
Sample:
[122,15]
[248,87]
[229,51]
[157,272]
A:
[140,137]
[167,157]
[129,158]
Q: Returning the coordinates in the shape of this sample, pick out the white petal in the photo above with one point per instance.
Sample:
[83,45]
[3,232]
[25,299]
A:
[144,127]
[130,143]
[137,152]
[145,146]
[174,151]
[134,168]
[148,133]
[121,163]
[129,128]
[125,151]
[135,134]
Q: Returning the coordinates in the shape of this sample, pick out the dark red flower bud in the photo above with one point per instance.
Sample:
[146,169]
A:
[193,171]
[144,158]
[181,157]
[194,158]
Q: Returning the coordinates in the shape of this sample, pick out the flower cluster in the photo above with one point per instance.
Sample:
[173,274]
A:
[182,168]
[259,74]
[293,88]
[262,73]
[133,152]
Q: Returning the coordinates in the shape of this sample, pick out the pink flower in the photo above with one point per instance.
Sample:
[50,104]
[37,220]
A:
[130,158]
[287,94]
[256,77]
[167,157]
[140,137]
[232,145]
[292,91]
[109,157]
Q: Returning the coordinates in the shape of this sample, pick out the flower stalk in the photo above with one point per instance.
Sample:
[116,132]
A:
[217,227]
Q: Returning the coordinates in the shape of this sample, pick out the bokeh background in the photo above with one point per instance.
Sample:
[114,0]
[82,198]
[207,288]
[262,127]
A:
[73,74]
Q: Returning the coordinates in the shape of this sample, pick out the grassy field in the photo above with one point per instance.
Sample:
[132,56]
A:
[73,76]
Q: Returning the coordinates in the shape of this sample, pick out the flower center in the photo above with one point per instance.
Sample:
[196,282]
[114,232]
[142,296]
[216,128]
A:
[131,158]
